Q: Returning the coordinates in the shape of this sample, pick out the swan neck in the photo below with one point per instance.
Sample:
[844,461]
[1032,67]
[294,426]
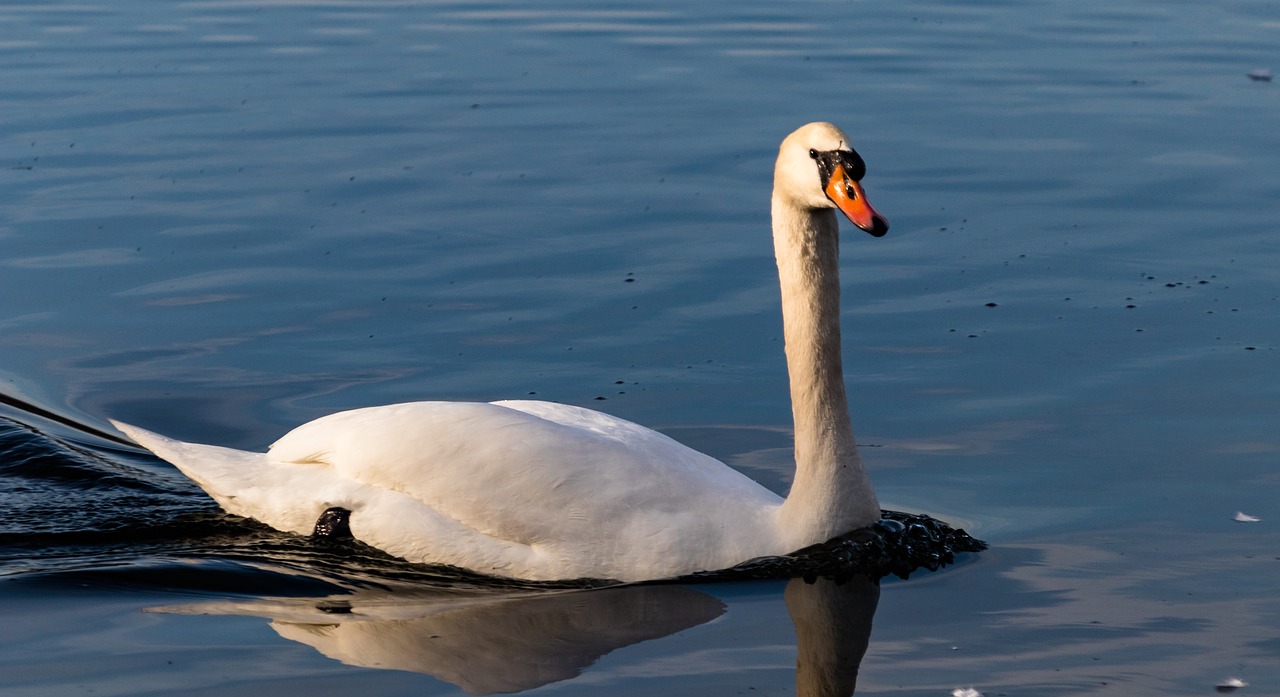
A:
[831,494]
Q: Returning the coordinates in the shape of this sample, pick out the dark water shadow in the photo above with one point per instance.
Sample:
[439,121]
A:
[23,409]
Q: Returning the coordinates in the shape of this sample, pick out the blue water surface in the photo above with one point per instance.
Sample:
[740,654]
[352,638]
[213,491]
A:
[219,219]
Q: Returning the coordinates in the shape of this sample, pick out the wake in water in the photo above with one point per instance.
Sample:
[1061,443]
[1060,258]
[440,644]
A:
[123,517]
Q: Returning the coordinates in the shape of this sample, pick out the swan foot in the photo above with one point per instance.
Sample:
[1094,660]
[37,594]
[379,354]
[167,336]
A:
[334,523]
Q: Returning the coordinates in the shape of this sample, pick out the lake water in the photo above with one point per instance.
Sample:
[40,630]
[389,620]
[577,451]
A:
[219,219]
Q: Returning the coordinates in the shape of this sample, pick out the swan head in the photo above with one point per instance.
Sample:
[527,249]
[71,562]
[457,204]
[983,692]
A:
[818,169]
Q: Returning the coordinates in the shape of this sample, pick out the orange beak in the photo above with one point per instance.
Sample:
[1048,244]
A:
[848,196]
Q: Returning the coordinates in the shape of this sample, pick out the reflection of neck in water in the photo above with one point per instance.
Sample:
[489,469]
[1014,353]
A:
[833,626]
[488,644]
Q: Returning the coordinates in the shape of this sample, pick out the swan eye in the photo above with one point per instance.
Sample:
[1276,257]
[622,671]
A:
[813,153]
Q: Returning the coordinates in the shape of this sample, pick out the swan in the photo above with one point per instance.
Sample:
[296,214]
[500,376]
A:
[542,491]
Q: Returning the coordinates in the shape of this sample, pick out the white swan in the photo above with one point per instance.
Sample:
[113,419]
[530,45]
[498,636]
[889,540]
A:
[542,491]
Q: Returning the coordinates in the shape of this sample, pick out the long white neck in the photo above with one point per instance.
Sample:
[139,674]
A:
[831,494]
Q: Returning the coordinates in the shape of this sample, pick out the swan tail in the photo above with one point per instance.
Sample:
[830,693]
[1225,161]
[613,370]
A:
[243,483]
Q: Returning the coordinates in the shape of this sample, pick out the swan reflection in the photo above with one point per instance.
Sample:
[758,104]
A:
[833,627]
[492,644]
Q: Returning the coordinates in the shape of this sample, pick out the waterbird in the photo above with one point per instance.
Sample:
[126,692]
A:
[544,491]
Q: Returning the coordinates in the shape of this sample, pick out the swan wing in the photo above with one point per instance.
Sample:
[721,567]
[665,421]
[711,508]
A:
[522,489]
[525,489]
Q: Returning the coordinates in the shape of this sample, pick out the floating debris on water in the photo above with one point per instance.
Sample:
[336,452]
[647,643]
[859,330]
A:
[965,692]
[1231,685]
[1260,75]
[1246,518]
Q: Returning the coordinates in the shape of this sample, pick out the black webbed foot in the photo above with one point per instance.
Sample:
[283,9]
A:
[334,523]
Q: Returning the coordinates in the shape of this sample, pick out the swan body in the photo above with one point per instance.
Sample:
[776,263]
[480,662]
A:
[543,491]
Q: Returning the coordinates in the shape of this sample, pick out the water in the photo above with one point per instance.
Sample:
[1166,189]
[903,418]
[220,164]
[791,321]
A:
[221,219]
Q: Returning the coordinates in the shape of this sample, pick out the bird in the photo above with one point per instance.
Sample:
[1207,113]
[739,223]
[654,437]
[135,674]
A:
[543,491]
